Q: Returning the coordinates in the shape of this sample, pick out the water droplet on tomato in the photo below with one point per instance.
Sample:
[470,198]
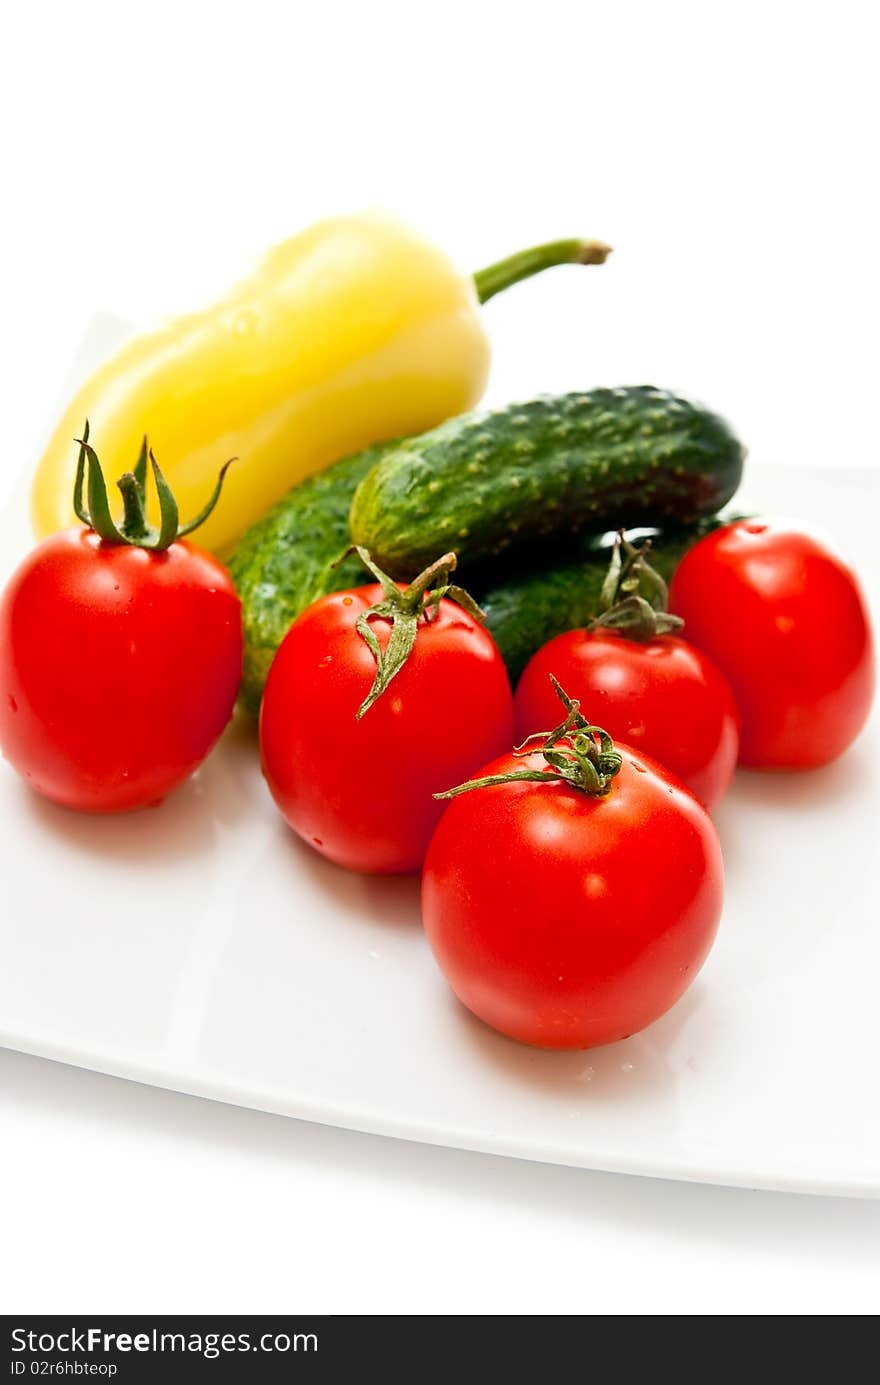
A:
[319,841]
[347,600]
[641,768]
[13,705]
[754,528]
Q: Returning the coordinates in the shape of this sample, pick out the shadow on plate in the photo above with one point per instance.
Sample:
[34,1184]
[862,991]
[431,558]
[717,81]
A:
[384,901]
[831,786]
[840,786]
[625,1071]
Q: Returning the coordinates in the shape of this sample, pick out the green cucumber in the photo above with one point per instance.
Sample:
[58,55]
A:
[287,560]
[544,471]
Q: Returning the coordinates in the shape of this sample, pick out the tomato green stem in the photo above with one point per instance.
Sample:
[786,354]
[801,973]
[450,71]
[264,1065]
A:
[635,597]
[134,528]
[404,607]
[577,754]
[496,277]
[134,521]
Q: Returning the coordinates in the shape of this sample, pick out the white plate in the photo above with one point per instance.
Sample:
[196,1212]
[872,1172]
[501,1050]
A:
[200,947]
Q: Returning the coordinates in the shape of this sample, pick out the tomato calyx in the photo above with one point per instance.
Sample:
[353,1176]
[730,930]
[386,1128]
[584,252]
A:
[635,597]
[404,609]
[134,529]
[577,753]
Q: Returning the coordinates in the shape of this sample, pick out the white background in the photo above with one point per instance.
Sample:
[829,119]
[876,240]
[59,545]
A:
[728,152]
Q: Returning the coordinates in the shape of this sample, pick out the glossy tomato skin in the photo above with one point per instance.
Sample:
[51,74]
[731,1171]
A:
[661,696]
[567,921]
[119,668]
[785,620]
[360,792]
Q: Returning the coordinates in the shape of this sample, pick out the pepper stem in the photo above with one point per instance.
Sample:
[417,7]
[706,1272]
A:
[577,754]
[496,277]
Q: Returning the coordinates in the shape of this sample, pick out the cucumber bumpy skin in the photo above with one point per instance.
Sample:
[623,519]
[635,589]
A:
[286,561]
[545,471]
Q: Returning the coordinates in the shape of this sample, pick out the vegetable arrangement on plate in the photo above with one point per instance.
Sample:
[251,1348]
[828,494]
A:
[395,564]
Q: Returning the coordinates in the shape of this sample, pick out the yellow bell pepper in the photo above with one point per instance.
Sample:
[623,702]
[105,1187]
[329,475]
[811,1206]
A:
[354,331]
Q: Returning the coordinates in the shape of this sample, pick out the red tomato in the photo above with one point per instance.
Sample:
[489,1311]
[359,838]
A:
[661,696]
[360,792]
[785,620]
[119,668]
[565,920]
